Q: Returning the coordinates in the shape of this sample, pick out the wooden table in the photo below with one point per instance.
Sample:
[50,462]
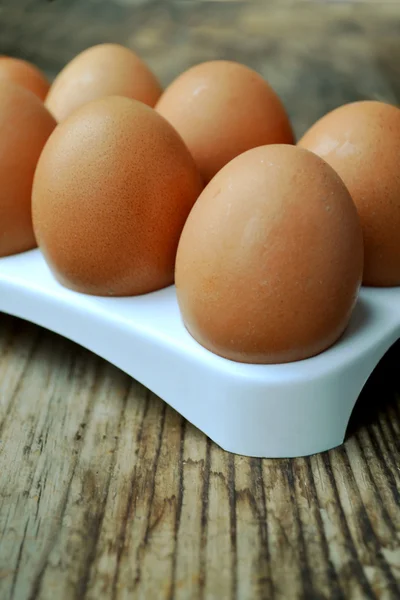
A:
[106,492]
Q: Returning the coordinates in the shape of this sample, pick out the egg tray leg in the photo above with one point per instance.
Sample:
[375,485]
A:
[274,419]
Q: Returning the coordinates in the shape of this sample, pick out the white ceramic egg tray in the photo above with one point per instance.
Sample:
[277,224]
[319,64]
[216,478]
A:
[286,410]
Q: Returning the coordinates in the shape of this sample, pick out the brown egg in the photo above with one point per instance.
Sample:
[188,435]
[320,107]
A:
[221,109]
[25,74]
[25,125]
[361,141]
[103,70]
[270,259]
[112,191]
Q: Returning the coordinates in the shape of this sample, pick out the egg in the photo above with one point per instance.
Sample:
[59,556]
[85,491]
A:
[25,74]
[102,70]
[221,109]
[112,190]
[361,141]
[270,260]
[25,126]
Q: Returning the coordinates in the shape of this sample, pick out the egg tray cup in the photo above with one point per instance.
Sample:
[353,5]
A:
[283,410]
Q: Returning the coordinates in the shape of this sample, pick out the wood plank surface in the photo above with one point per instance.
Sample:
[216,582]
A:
[105,491]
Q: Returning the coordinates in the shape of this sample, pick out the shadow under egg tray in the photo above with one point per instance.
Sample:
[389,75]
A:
[286,410]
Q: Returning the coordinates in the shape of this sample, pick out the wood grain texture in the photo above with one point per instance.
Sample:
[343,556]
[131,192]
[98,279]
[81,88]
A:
[106,492]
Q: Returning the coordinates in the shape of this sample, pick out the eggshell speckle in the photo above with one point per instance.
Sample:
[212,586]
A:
[25,125]
[112,191]
[221,109]
[361,141]
[25,74]
[270,259]
[102,70]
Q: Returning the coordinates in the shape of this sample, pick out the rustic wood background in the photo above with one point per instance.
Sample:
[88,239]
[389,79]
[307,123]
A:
[105,492]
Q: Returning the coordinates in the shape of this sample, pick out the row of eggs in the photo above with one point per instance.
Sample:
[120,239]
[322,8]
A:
[127,188]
